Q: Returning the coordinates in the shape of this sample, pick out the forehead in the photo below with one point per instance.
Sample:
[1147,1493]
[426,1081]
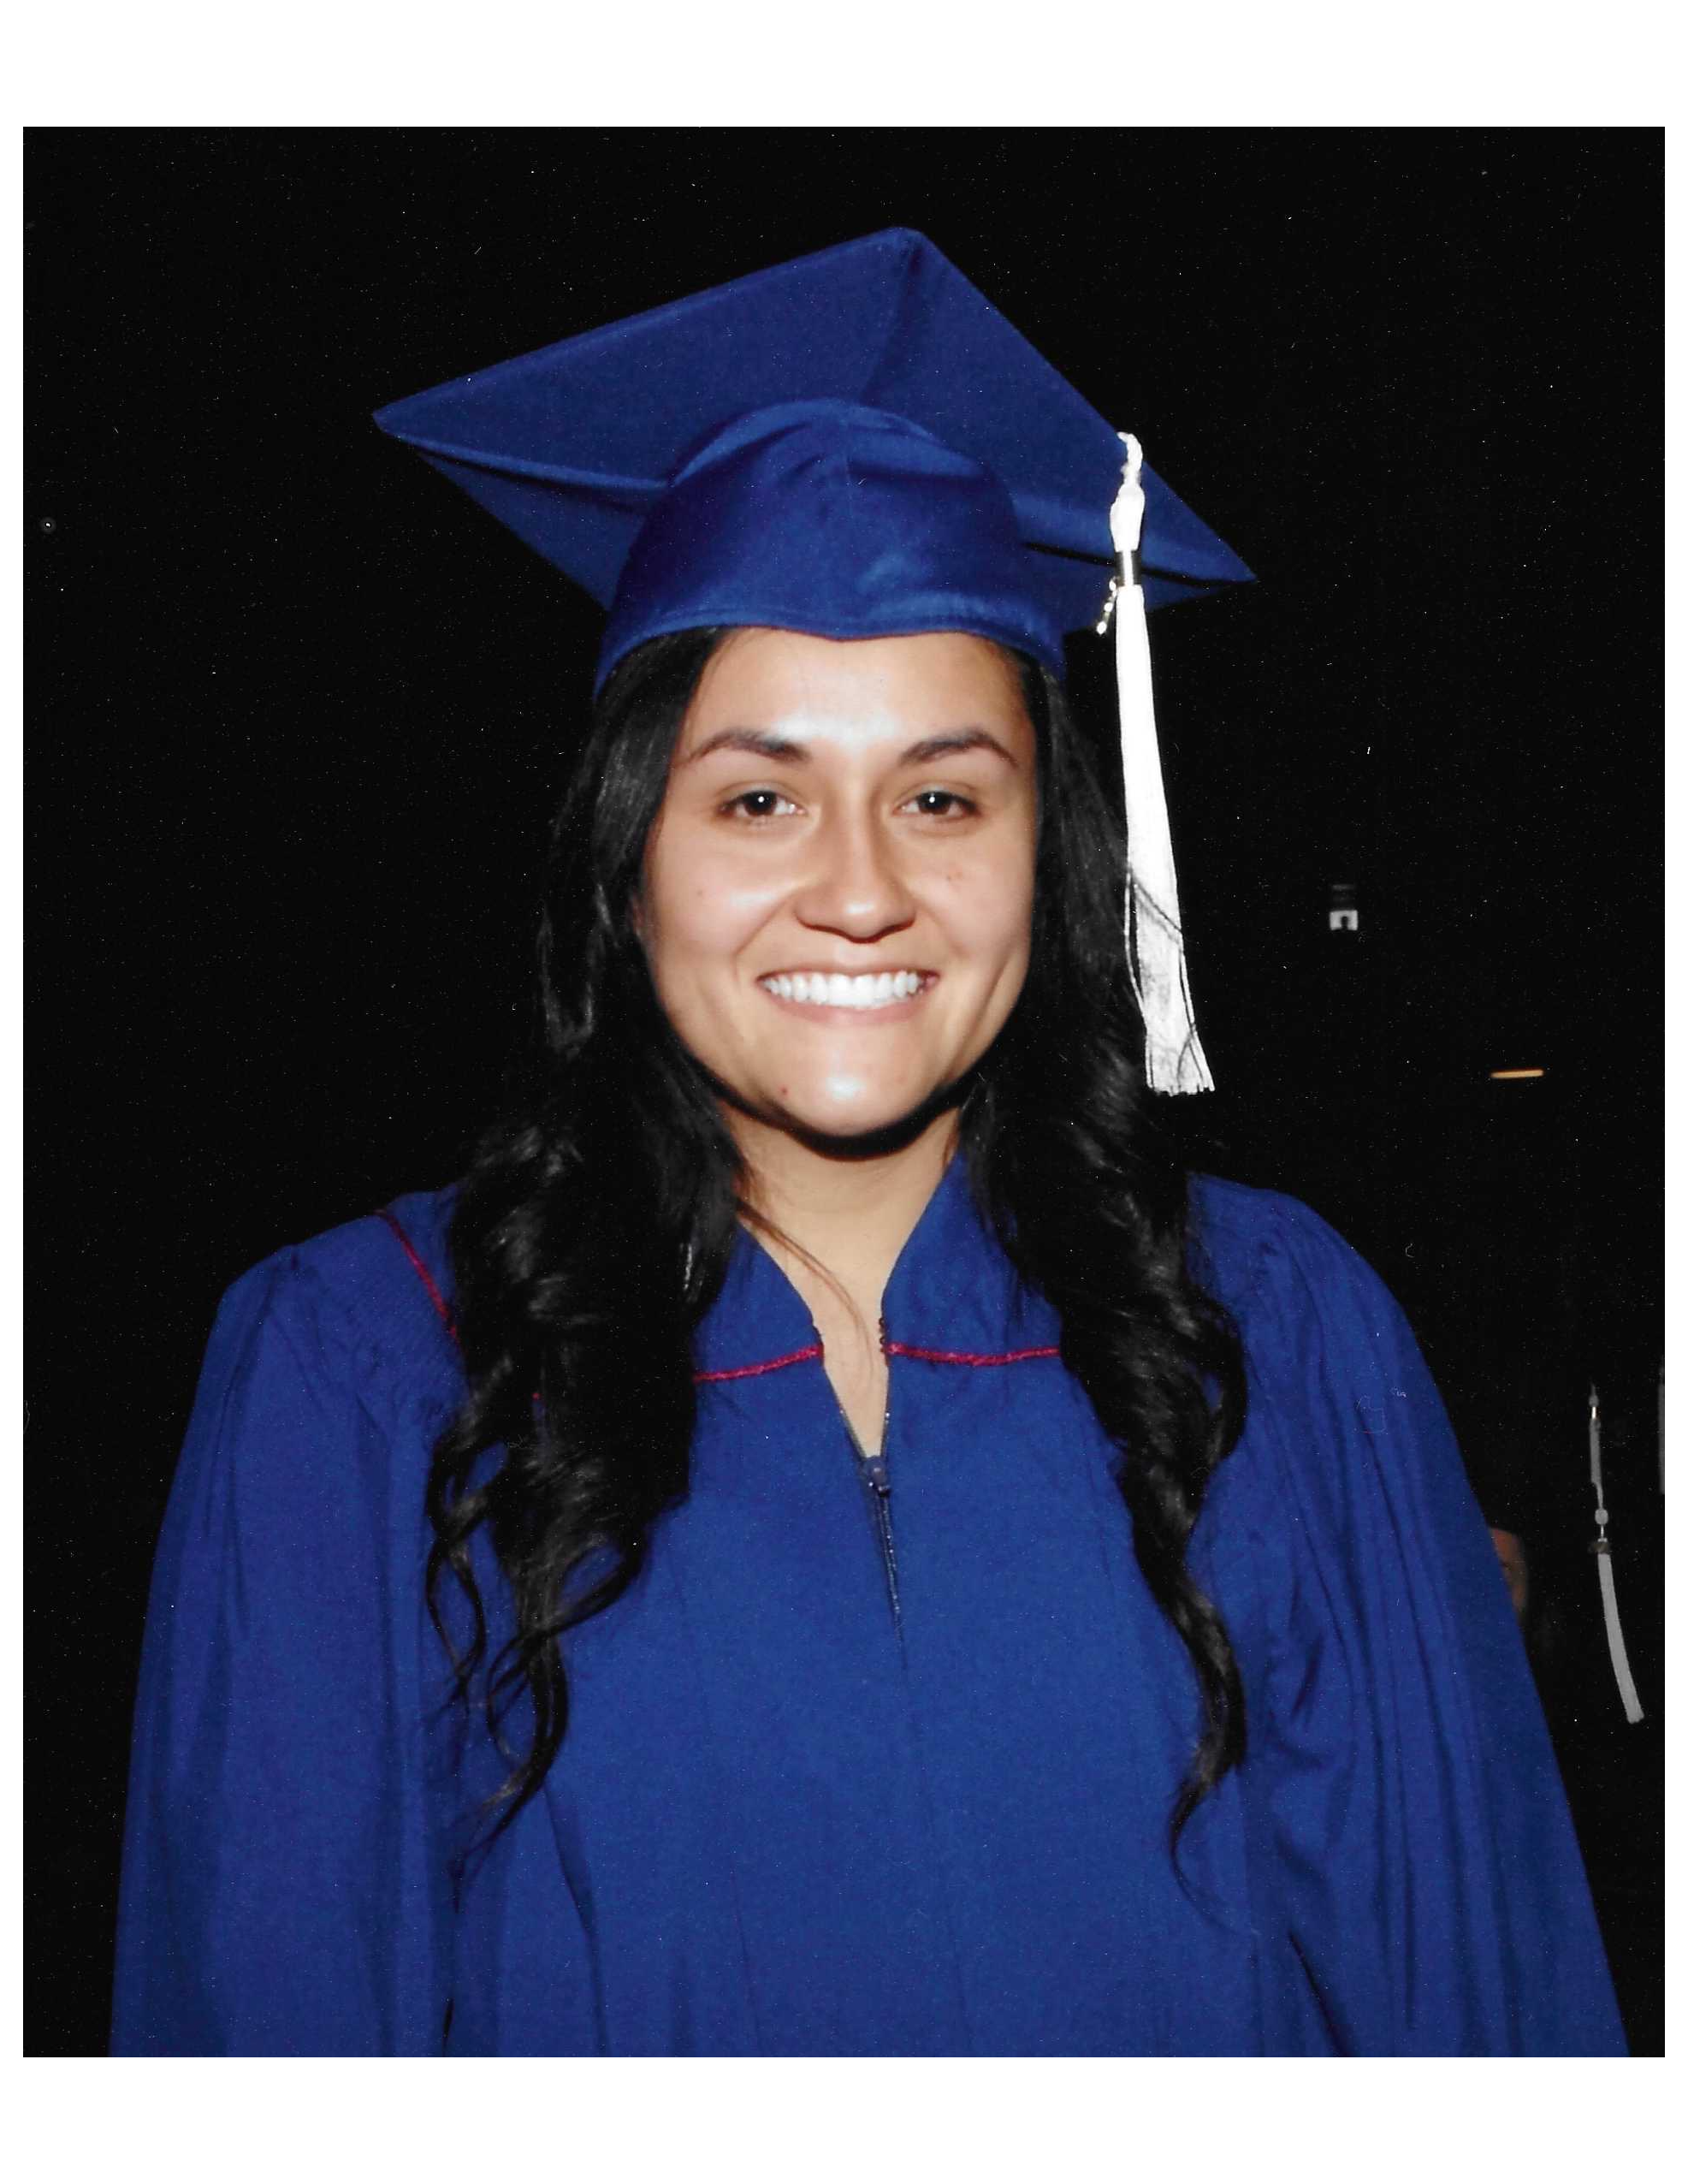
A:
[858,691]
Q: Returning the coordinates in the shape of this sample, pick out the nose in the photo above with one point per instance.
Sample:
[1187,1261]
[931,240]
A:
[854,887]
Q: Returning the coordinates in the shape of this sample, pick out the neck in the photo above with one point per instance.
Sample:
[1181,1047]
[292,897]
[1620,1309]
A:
[839,1222]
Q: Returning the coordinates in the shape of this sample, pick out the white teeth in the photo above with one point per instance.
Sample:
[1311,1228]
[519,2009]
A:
[837,991]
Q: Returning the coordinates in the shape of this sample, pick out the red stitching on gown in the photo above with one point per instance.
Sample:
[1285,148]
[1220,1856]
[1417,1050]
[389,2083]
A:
[426,1279]
[773,1364]
[969,1356]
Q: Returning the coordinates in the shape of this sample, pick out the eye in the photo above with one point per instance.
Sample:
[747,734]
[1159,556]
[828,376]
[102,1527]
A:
[757,804]
[942,803]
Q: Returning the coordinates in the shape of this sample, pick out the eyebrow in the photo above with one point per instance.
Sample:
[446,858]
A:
[781,750]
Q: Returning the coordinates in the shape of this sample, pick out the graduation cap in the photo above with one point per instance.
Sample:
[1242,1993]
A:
[854,444]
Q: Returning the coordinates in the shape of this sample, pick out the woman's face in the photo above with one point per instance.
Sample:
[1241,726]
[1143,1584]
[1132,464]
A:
[837,906]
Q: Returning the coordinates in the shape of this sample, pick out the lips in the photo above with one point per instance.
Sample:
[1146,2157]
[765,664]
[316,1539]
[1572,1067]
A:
[834,989]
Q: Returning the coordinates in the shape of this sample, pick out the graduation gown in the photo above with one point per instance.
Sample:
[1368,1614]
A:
[854,1768]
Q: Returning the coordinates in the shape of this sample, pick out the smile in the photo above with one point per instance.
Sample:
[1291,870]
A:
[833,990]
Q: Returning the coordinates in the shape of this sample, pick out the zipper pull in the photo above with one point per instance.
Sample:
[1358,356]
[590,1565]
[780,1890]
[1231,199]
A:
[874,1469]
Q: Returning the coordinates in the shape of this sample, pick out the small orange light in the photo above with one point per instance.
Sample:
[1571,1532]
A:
[1510,1075]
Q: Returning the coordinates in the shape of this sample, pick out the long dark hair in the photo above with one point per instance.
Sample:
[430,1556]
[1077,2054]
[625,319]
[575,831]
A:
[594,1228]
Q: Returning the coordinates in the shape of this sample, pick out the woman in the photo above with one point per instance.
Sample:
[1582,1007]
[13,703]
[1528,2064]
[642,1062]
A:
[828,1542]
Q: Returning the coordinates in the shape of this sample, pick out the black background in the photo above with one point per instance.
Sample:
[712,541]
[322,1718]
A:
[299,713]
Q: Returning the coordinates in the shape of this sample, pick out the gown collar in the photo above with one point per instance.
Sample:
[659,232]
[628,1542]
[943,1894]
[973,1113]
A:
[952,1297]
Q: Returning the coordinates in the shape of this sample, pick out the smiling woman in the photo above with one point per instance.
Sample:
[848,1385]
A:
[828,1541]
[837,913]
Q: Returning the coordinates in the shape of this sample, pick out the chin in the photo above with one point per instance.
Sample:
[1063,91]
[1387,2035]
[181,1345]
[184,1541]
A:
[850,1130]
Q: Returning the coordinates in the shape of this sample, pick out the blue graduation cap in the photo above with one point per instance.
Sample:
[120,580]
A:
[854,444]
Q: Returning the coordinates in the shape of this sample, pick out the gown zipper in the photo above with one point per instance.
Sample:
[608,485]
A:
[879,1487]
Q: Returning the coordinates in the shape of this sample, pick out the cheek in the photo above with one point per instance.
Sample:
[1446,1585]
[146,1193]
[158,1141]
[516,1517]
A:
[701,908]
[989,908]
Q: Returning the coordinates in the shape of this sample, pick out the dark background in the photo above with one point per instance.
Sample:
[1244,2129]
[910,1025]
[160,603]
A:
[299,714]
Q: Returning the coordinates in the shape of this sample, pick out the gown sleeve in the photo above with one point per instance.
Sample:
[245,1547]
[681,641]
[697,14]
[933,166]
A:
[1407,1816]
[282,1891]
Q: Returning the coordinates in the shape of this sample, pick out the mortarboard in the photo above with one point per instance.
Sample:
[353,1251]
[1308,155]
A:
[856,444]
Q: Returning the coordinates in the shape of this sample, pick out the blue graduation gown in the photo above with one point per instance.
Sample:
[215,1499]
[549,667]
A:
[813,1803]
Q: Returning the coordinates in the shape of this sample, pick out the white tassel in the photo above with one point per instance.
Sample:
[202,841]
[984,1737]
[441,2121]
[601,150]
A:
[1614,1638]
[1608,1590]
[1154,937]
